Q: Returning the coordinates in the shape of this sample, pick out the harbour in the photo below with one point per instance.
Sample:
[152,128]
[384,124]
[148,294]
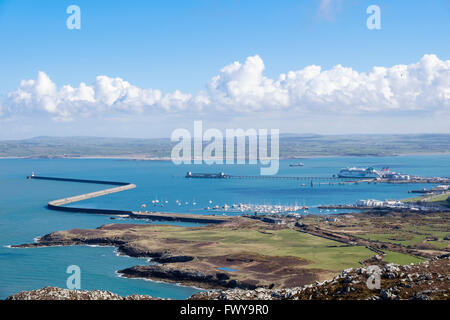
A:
[164,182]
[223,151]
[58,205]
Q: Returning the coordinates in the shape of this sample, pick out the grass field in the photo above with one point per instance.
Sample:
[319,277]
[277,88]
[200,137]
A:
[260,253]
[411,239]
[321,253]
[399,238]
[400,258]
[440,199]
[411,231]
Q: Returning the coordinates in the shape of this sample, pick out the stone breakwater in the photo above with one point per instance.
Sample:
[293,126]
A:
[425,281]
[59,204]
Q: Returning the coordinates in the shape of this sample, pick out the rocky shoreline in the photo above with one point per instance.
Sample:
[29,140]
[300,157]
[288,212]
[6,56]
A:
[158,272]
[88,237]
[178,261]
[429,280]
[188,277]
[199,257]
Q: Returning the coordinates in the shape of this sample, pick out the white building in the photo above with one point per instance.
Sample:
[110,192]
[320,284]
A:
[378,203]
[369,203]
[440,188]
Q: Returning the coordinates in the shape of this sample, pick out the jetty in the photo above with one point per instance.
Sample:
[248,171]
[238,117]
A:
[222,175]
[323,180]
[59,204]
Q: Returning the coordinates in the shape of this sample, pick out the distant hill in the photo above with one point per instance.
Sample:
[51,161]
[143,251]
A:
[291,146]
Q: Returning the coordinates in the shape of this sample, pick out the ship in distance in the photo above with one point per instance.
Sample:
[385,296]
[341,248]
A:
[299,164]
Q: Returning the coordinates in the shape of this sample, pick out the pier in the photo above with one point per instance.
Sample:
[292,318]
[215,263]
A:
[322,180]
[59,204]
[222,175]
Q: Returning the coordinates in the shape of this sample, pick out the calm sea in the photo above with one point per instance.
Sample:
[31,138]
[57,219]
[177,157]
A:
[23,215]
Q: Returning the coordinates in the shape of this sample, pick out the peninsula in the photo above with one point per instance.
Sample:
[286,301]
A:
[248,253]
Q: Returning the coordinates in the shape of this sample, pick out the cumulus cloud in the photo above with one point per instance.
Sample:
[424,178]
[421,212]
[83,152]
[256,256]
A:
[243,88]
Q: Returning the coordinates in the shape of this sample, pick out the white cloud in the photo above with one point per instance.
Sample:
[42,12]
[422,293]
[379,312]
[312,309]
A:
[243,88]
[327,8]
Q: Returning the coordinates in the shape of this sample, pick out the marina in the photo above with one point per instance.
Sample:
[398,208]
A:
[218,212]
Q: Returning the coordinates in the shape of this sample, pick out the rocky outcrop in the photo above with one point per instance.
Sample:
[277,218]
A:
[52,293]
[429,280]
[173,259]
[185,276]
[124,244]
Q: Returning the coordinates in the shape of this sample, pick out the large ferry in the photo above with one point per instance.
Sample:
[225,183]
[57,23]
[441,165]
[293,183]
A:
[358,173]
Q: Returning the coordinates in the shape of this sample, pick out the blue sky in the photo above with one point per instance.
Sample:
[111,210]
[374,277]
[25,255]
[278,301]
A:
[181,45]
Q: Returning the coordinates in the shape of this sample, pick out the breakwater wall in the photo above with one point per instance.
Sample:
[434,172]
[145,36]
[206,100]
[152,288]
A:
[114,183]
[63,201]
[195,218]
[58,204]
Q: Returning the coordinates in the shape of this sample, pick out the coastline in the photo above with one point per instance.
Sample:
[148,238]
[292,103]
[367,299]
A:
[428,280]
[179,284]
[201,281]
[184,256]
[188,284]
[189,263]
[143,157]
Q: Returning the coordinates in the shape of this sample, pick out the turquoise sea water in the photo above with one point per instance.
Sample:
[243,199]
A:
[23,215]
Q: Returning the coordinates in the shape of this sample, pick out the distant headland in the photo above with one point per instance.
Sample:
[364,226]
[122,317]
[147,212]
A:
[291,146]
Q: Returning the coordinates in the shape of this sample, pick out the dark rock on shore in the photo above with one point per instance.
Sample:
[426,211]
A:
[173,259]
[185,276]
[124,244]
